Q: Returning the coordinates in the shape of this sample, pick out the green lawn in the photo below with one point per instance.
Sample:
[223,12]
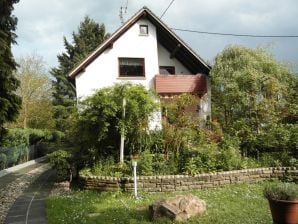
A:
[240,203]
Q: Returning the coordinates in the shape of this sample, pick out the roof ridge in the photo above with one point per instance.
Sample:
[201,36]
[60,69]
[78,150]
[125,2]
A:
[117,33]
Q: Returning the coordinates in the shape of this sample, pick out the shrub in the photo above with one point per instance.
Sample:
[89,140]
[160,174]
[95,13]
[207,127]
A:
[191,167]
[281,191]
[293,162]
[164,166]
[100,121]
[200,159]
[270,160]
[229,157]
[60,161]
[3,161]
[16,137]
[145,164]
[159,164]
[107,167]
[247,163]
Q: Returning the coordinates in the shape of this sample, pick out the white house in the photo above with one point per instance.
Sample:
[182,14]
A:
[146,51]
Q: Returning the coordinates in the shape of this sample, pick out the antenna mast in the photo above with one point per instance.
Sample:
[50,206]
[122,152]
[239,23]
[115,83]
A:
[123,10]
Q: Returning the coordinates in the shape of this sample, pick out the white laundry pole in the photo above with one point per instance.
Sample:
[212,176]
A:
[134,165]
[122,133]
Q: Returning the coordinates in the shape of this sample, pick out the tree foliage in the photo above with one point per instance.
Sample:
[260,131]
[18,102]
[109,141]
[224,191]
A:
[35,91]
[250,92]
[9,101]
[100,120]
[89,36]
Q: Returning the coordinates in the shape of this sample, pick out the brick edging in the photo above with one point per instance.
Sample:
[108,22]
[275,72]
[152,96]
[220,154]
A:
[186,182]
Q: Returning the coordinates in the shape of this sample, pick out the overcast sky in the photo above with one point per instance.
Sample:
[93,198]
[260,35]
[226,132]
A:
[42,24]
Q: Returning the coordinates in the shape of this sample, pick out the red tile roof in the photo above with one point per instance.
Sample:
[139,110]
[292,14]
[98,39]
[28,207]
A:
[174,84]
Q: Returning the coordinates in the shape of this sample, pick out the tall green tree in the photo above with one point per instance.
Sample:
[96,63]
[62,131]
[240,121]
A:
[89,36]
[9,101]
[251,91]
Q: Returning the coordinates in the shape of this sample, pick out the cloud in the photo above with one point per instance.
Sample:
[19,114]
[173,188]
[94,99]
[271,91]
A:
[42,24]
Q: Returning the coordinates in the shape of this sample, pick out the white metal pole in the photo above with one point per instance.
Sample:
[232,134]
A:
[122,133]
[134,164]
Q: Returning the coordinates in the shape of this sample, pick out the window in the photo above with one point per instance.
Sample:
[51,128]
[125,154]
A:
[167,70]
[144,30]
[131,67]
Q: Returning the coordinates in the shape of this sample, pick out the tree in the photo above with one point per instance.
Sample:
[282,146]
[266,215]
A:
[89,36]
[101,121]
[9,101]
[250,92]
[35,91]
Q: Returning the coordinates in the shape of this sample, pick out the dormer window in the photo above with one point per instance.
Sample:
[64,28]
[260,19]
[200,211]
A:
[144,30]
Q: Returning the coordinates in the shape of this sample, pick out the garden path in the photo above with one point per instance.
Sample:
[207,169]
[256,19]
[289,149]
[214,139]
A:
[23,192]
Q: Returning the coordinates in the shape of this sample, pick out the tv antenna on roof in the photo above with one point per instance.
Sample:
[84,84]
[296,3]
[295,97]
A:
[123,10]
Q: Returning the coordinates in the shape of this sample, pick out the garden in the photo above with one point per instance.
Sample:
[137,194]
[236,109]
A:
[253,124]
[239,203]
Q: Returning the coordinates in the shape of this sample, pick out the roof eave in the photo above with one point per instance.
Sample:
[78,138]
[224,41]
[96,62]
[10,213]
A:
[109,42]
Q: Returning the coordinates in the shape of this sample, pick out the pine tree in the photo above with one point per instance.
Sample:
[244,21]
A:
[89,36]
[9,101]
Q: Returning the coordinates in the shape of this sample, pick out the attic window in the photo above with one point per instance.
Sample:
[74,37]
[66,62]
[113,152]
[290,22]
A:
[144,30]
[131,67]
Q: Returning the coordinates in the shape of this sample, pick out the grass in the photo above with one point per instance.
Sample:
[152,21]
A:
[239,203]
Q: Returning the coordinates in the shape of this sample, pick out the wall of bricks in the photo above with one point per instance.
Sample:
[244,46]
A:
[185,182]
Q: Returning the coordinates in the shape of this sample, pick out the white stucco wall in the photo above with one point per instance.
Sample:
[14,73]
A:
[165,60]
[103,71]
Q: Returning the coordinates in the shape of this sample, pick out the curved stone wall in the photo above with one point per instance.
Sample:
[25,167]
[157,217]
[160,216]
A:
[186,182]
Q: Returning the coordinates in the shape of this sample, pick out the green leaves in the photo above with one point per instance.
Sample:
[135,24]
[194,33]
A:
[89,36]
[251,91]
[281,191]
[101,119]
[9,101]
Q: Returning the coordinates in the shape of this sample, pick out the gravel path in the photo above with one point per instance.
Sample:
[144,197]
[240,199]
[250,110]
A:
[13,186]
[9,178]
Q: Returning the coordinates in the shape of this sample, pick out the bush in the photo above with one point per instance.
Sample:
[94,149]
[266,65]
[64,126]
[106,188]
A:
[281,191]
[107,167]
[163,166]
[145,164]
[267,160]
[159,164]
[16,137]
[229,157]
[200,159]
[247,163]
[60,161]
[100,121]
[3,161]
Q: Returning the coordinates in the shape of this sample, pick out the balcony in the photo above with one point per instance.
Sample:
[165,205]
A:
[177,84]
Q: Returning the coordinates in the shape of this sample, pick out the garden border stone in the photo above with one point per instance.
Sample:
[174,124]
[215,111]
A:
[186,182]
[21,166]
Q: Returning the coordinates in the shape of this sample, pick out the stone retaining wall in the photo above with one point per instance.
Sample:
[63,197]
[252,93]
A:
[185,182]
